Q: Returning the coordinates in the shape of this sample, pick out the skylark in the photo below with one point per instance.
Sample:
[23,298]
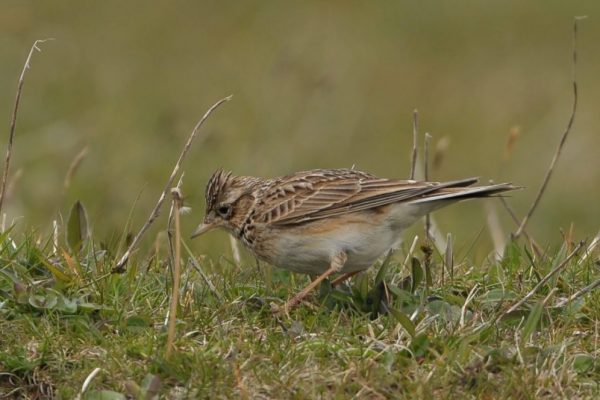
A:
[325,221]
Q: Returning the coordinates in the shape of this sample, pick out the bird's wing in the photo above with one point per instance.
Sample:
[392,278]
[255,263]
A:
[312,195]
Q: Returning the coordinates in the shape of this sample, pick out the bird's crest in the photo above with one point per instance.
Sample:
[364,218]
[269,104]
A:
[214,187]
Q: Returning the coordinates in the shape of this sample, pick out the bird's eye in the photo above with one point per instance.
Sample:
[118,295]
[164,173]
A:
[224,210]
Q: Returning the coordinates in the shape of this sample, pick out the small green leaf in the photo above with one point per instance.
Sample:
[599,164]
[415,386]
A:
[21,294]
[44,301]
[383,269]
[446,311]
[560,256]
[497,295]
[64,304]
[428,277]
[417,274]
[532,321]
[77,227]
[104,395]
[376,297]
[325,289]
[151,386]
[137,323]
[403,320]
[419,345]
[360,290]
[336,298]
[133,389]
[55,270]
[583,363]
[90,307]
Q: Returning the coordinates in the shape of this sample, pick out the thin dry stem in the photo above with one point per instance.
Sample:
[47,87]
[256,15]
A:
[413,165]
[562,140]
[449,257]
[441,147]
[496,232]
[536,248]
[513,135]
[170,225]
[74,166]
[55,237]
[12,183]
[437,237]
[205,277]
[410,252]
[13,121]
[120,265]
[579,293]
[87,382]
[426,156]
[177,203]
[546,278]
[235,251]
[469,299]
[590,249]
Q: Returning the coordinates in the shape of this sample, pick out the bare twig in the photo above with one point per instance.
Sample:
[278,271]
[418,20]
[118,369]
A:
[235,250]
[538,250]
[562,141]
[408,256]
[449,257]
[74,165]
[55,237]
[546,278]
[579,293]
[441,147]
[513,135]
[170,226]
[582,292]
[498,237]
[410,252]
[470,297]
[590,249]
[120,265]
[11,185]
[205,277]
[177,204]
[426,156]
[87,382]
[413,165]
[13,121]
[437,236]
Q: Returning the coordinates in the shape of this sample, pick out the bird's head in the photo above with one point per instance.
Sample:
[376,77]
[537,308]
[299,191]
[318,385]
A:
[229,200]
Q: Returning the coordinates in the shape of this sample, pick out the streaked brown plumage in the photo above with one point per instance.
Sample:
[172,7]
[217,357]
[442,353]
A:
[304,221]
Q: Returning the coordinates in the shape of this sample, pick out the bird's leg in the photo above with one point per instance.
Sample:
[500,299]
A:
[343,278]
[337,262]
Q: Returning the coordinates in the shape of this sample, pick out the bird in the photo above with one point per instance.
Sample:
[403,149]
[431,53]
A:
[323,222]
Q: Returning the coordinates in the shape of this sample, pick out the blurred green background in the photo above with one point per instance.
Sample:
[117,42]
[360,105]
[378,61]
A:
[315,84]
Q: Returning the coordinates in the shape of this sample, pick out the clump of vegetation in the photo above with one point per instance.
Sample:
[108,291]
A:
[395,332]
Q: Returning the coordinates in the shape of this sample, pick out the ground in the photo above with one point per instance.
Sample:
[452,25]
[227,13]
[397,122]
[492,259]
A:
[396,332]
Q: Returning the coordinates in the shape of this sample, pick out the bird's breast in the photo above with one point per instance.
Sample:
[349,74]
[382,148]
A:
[309,248]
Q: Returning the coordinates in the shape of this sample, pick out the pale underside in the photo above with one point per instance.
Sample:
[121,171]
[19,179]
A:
[363,236]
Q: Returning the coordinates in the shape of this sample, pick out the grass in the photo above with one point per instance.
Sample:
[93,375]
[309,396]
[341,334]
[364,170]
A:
[392,333]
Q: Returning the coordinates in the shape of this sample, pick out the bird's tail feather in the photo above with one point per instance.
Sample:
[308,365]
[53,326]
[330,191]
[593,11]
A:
[460,192]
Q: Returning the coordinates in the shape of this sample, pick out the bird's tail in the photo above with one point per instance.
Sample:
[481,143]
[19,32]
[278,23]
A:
[461,190]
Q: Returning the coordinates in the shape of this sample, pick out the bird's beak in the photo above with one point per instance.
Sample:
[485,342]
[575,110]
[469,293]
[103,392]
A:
[202,228]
